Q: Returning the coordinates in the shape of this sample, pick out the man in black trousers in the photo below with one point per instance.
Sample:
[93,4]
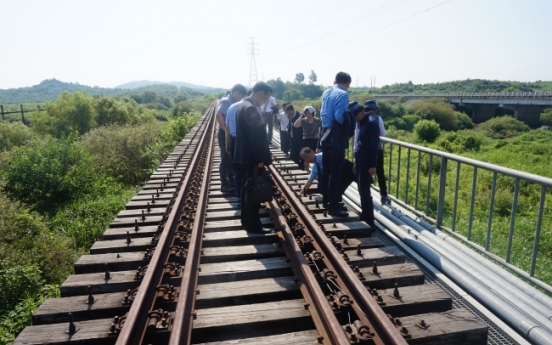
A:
[252,152]
[366,157]
[334,140]
[296,135]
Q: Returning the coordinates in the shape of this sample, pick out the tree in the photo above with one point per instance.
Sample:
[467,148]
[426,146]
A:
[299,77]
[426,130]
[546,117]
[313,77]
[292,95]
[278,87]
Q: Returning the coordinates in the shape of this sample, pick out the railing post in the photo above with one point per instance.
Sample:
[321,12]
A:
[442,185]
[2,111]
[537,232]
[22,113]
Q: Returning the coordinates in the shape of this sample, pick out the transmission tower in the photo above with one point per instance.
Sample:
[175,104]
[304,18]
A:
[253,64]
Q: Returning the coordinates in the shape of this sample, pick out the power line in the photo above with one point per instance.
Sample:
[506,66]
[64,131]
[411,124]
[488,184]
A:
[355,21]
[253,63]
[368,33]
[333,13]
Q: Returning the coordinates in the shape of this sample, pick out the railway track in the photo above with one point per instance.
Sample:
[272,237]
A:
[176,267]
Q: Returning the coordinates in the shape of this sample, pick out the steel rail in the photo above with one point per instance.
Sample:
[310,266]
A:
[386,332]
[324,318]
[183,317]
[134,328]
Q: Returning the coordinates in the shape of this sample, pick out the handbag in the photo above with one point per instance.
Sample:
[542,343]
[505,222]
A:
[262,187]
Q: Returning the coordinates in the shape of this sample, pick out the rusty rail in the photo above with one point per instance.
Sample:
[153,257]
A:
[365,306]
[323,316]
[183,317]
[134,328]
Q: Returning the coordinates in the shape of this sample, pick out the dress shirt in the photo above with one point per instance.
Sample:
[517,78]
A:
[231,117]
[334,105]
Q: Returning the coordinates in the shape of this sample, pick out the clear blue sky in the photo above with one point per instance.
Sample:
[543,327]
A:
[110,42]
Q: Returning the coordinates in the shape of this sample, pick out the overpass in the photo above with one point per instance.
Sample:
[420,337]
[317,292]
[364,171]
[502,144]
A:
[481,106]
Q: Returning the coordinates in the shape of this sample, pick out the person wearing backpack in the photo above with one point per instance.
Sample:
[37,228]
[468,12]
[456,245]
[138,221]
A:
[334,138]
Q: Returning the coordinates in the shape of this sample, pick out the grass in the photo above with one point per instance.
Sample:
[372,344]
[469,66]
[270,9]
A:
[525,219]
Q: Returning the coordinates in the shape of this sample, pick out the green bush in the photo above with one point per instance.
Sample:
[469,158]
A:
[111,111]
[426,130]
[13,134]
[503,127]
[86,218]
[49,172]
[70,113]
[120,150]
[454,142]
[438,110]
[546,117]
[390,109]
[463,121]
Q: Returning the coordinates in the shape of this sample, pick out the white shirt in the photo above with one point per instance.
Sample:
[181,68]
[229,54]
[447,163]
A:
[284,120]
[267,107]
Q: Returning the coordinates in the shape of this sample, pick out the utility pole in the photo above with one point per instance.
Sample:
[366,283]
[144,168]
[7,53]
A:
[252,64]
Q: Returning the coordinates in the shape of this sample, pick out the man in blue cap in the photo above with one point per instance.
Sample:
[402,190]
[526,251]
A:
[371,108]
[366,156]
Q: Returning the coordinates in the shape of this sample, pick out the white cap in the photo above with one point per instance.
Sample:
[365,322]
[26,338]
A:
[311,109]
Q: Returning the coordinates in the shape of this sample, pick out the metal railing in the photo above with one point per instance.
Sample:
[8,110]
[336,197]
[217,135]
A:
[410,179]
[538,95]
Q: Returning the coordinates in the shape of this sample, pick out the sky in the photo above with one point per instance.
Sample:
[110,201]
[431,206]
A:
[110,42]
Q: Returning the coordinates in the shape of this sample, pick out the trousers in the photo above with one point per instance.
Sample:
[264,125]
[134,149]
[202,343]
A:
[225,159]
[237,169]
[381,174]
[332,160]
[364,181]
[268,119]
[285,141]
[250,218]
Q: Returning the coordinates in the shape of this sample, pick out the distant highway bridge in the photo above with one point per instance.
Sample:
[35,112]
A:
[525,106]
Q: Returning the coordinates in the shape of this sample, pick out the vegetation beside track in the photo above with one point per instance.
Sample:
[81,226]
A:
[62,182]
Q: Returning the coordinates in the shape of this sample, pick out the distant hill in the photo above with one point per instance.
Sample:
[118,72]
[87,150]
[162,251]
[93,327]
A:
[49,90]
[469,85]
[141,83]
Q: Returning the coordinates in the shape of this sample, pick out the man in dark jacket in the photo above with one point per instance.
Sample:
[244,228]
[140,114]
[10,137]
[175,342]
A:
[366,157]
[252,152]
[296,135]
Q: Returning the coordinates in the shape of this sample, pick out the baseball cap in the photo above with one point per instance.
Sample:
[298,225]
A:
[371,104]
[354,107]
[310,109]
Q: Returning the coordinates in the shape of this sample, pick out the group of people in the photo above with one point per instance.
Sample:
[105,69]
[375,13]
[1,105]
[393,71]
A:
[316,145]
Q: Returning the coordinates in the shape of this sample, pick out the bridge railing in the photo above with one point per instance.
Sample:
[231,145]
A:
[537,95]
[498,211]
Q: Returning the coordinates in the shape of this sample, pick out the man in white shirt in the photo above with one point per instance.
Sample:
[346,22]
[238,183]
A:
[283,121]
[268,118]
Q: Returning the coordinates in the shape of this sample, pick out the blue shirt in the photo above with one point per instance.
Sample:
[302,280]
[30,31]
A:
[224,104]
[334,105]
[231,117]
[315,167]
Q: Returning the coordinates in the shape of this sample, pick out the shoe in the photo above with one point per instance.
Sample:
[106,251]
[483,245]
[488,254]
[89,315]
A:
[338,213]
[226,188]
[385,199]
[260,231]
